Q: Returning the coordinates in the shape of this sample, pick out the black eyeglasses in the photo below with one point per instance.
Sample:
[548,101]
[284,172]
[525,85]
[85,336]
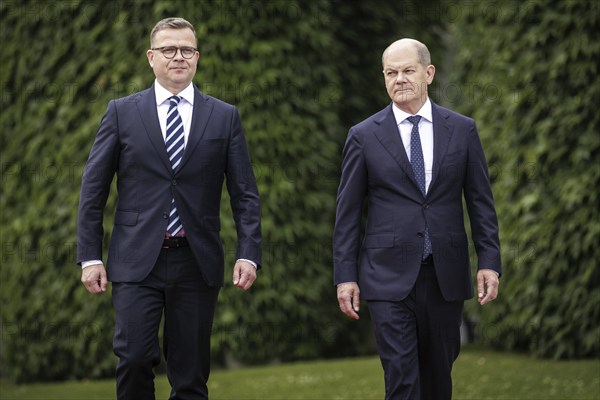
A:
[170,51]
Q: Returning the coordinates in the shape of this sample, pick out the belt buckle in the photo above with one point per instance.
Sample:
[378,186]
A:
[172,242]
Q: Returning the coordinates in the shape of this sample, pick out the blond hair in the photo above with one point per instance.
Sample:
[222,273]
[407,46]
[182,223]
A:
[171,23]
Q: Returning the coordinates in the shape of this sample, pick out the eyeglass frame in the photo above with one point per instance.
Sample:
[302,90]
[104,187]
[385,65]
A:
[177,49]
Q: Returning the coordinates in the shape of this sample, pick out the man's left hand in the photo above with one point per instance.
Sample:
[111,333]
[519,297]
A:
[487,285]
[244,274]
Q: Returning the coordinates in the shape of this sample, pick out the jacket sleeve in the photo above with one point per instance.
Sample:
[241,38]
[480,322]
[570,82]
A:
[480,206]
[95,186]
[243,194]
[350,199]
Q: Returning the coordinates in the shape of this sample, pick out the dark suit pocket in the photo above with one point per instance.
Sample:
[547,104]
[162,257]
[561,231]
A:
[211,223]
[126,217]
[459,239]
[212,144]
[211,155]
[455,156]
[379,240]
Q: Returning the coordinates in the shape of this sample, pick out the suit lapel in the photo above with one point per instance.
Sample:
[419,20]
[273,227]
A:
[200,116]
[442,132]
[149,117]
[389,136]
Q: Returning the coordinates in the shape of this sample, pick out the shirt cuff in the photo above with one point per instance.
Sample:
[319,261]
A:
[85,264]
[248,261]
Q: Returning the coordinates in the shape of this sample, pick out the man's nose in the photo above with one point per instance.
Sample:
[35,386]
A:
[178,55]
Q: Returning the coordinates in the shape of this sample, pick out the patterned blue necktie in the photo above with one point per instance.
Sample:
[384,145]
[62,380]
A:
[418,166]
[175,145]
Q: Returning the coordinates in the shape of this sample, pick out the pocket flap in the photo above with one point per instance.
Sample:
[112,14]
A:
[212,223]
[459,239]
[126,217]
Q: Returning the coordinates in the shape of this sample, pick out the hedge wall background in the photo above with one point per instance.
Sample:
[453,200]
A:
[301,74]
[529,76]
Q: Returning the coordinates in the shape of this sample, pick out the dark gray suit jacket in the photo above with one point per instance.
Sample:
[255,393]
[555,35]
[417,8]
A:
[375,167]
[129,143]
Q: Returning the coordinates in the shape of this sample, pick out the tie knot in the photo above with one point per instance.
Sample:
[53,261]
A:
[414,119]
[174,100]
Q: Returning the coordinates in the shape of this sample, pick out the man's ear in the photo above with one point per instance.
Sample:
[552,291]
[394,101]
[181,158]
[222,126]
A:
[430,73]
[150,56]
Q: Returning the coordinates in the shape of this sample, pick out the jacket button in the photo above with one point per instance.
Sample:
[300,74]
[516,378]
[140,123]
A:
[165,215]
[420,234]
[426,205]
[174,182]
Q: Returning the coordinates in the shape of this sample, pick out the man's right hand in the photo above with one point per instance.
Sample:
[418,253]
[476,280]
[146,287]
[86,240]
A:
[348,295]
[94,278]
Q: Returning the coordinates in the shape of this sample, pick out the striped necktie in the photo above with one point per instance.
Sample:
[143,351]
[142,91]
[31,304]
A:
[418,166]
[175,144]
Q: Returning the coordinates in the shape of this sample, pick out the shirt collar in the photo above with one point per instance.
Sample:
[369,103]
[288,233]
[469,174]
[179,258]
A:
[163,94]
[424,112]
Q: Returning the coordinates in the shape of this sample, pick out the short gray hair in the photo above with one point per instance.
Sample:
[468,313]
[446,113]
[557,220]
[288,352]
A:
[171,23]
[423,54]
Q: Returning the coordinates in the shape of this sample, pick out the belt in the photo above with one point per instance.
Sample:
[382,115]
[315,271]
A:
[428,260]
[174,242]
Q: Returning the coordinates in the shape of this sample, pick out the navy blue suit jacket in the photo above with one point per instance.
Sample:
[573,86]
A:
[129,143]
[386,258]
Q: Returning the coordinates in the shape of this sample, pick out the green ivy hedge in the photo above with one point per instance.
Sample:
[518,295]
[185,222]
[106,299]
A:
[300,72]
[527,72]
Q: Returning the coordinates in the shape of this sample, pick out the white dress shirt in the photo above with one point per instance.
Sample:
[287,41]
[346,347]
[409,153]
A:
[185,108]
[425,134]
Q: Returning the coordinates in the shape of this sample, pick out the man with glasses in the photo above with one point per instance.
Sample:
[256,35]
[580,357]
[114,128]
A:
[171,147]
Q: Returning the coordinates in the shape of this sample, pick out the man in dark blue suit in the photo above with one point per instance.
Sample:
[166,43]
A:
[171,148]
[413,162]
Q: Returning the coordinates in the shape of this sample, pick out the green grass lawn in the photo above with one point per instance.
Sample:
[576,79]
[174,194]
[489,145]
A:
[478,374]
